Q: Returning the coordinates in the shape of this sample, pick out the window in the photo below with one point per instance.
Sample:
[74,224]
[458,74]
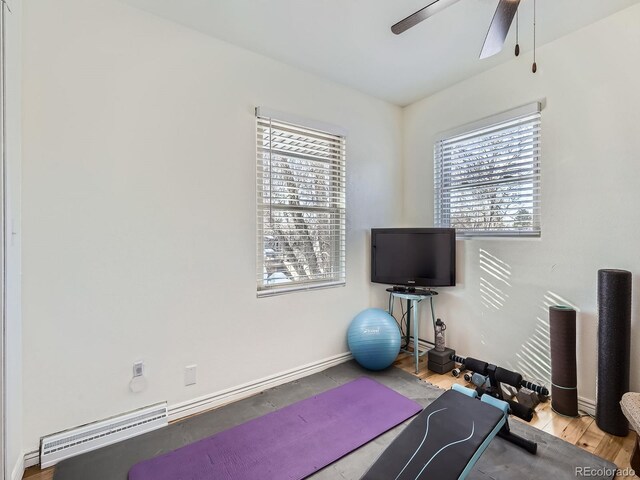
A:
[487,176]
[300,204]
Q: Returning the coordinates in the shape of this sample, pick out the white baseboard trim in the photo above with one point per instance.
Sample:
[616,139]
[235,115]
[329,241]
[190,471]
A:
[31,458]
[213,400]
[587,405]
[207,402]
[421,345]
[18,470]
[245,390]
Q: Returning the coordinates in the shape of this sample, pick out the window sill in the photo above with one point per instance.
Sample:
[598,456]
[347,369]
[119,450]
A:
[271,292]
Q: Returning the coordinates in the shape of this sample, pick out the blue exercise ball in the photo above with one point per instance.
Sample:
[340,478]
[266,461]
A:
[374,339]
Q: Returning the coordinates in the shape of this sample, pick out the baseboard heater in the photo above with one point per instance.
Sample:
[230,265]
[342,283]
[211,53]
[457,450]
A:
[57,447]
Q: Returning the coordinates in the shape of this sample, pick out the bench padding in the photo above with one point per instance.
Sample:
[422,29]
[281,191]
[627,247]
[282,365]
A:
[443,442]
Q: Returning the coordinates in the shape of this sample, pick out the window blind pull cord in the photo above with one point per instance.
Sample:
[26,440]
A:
[534,67]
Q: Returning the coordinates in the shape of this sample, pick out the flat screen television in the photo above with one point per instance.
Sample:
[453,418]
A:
[414,257]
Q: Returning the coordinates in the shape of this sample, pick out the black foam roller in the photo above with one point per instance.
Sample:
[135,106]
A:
[564,378]
[507,376]
[477,366]
[614,349]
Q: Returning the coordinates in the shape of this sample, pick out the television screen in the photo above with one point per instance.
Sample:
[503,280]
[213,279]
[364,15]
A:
[424,257]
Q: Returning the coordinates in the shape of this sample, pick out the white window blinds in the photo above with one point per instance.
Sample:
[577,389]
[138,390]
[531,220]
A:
[300,205]
[487,176]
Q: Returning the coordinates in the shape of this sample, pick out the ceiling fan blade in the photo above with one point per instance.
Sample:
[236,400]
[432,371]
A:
[420,15]
[499,27]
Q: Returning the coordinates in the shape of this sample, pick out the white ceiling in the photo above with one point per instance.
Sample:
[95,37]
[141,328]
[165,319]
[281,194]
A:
[350,41]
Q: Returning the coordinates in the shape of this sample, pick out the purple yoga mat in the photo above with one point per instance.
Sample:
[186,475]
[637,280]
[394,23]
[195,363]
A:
[290,443]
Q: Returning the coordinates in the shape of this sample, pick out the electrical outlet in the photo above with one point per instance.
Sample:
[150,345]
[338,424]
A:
[190,375]
[138,369]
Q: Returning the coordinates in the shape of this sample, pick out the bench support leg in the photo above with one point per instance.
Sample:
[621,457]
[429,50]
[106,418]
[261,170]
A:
[506,433]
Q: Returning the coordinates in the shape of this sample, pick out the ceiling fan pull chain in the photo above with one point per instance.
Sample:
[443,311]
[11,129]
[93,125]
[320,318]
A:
[517,32]
[534,67]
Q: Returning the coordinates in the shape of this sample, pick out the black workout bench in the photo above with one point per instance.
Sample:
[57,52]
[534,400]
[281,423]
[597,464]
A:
[447,438]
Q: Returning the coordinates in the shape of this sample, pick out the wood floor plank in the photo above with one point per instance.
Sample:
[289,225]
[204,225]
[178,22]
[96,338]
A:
[624,456]
[557,425]
[591,438]
[543,415]
[575,429]
[403,361]
[34,473]
[609,447]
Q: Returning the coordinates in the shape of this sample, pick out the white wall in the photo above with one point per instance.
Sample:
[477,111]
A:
[13,331]
[139,212]
[590,197]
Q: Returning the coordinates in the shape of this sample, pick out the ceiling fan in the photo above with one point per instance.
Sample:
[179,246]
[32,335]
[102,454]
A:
[498,29]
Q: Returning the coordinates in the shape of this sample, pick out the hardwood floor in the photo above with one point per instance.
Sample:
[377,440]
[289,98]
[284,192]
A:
[581,431]
[34,473]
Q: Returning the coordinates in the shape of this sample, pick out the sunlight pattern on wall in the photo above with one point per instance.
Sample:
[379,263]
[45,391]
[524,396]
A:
[494,280]
[534,357]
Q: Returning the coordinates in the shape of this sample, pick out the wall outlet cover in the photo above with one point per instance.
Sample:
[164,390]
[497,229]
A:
[190,375]
[138,369]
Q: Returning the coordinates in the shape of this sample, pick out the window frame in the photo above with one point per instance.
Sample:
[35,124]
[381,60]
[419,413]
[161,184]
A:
[442,191]
[336,196]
